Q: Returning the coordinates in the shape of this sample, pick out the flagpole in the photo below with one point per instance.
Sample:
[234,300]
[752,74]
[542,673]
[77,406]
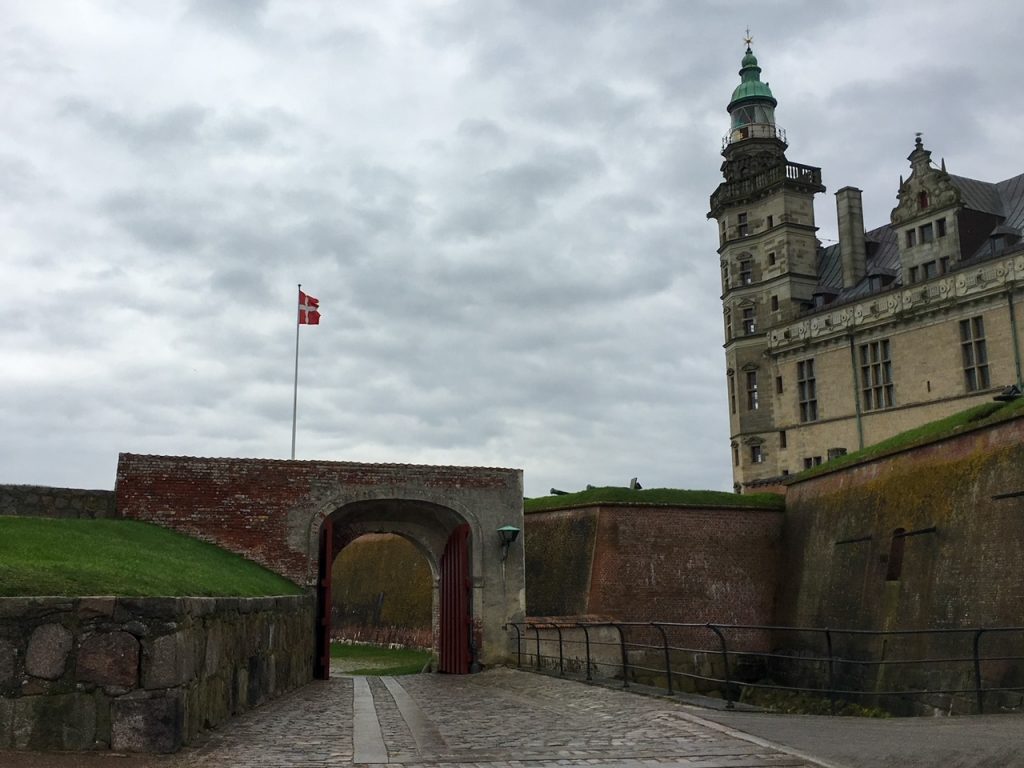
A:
[295,391]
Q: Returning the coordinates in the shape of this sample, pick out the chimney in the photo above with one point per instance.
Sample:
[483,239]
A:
[851,235]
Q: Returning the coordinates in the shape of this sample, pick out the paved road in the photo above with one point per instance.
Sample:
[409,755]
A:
[505,718]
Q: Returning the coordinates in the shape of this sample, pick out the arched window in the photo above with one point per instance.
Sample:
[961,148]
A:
[895,567]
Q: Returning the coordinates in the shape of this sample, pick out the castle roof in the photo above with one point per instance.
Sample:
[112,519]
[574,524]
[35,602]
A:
[1004,199]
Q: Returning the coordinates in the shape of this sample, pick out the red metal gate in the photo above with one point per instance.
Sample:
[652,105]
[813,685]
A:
[456,586]
[322,662]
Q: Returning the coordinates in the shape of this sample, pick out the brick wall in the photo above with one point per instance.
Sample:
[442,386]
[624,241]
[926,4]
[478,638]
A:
[248,505]
[43,501]
[644,563]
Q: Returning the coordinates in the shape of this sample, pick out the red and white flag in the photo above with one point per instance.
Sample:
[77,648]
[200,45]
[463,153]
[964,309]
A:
[309,309]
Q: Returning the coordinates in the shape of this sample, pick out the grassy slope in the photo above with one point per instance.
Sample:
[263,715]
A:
[663,496]
[41,556]
[979,415]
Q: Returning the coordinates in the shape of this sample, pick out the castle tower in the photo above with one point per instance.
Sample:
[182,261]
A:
[767,249]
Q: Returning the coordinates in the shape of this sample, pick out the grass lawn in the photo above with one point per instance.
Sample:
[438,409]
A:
[371,660]
[43,556]
[662,496]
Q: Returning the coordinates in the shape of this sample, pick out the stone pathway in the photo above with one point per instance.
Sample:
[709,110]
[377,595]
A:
[497,719]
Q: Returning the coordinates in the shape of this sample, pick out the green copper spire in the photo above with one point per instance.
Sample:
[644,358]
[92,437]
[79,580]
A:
[750,86]
[752,105]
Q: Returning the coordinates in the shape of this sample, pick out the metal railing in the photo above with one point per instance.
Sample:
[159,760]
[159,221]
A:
[823,662]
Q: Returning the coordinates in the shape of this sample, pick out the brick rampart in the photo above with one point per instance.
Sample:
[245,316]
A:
[667,563]
[143,674]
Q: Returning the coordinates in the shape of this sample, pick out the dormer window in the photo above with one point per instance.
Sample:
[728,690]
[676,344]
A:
[922,200]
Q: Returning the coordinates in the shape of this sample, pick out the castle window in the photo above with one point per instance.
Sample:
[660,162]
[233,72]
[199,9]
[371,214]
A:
[922,199]
[975,354]
[782,438]
[728,325]
[775,303]
[940,227]
[752,398]
[746,272]
[911,238]
[749,321]
[756,456]
[771,259]
[876,376]
[735,454]
[927,233]
[944,265]
[894,568]
[914,276]
[744,228]
[929,270]
[732,394]
[771,222]
[807,391]
[778,385]
[811,461]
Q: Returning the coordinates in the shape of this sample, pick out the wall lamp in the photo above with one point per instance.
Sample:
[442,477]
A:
[507,534]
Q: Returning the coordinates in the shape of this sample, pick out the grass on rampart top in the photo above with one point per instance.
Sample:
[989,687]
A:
[662,496]
[44,556]
[978,416]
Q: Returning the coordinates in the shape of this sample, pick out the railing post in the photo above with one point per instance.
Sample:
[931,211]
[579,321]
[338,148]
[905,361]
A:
[977,671]
[668,660]
[561,658]
[536,632]
[586,638]
[625,658]
[725,661]
[519,645]
[831,673]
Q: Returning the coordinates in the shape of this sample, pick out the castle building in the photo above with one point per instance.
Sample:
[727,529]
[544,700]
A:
[831,349]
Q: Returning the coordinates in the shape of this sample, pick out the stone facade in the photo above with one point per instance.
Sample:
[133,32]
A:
[143,674]
[831,349]
[43,501]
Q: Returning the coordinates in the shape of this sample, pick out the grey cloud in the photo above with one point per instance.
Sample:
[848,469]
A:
[175,127]
[509,198]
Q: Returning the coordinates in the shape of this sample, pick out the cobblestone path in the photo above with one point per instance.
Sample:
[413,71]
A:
[498,719]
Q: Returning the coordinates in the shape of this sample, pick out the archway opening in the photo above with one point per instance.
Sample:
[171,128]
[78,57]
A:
[441,537]
[382,593]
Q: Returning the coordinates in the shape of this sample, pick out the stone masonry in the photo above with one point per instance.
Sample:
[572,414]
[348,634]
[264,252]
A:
[143,674]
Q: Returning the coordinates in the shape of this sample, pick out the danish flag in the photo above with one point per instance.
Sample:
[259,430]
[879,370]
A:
[309,309]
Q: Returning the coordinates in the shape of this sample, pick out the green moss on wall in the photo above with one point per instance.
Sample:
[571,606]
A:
[382,580]
[559,553]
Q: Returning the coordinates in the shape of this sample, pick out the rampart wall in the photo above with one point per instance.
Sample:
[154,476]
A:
[43,501]
[143,674]
[638,562]
[960,568]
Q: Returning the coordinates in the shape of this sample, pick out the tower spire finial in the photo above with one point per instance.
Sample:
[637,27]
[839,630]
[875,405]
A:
[748,40]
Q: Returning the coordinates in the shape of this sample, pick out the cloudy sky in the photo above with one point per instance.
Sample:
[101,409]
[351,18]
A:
[500,205]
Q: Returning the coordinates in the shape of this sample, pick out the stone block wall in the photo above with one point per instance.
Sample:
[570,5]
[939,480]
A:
[42,501]
[143,674]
